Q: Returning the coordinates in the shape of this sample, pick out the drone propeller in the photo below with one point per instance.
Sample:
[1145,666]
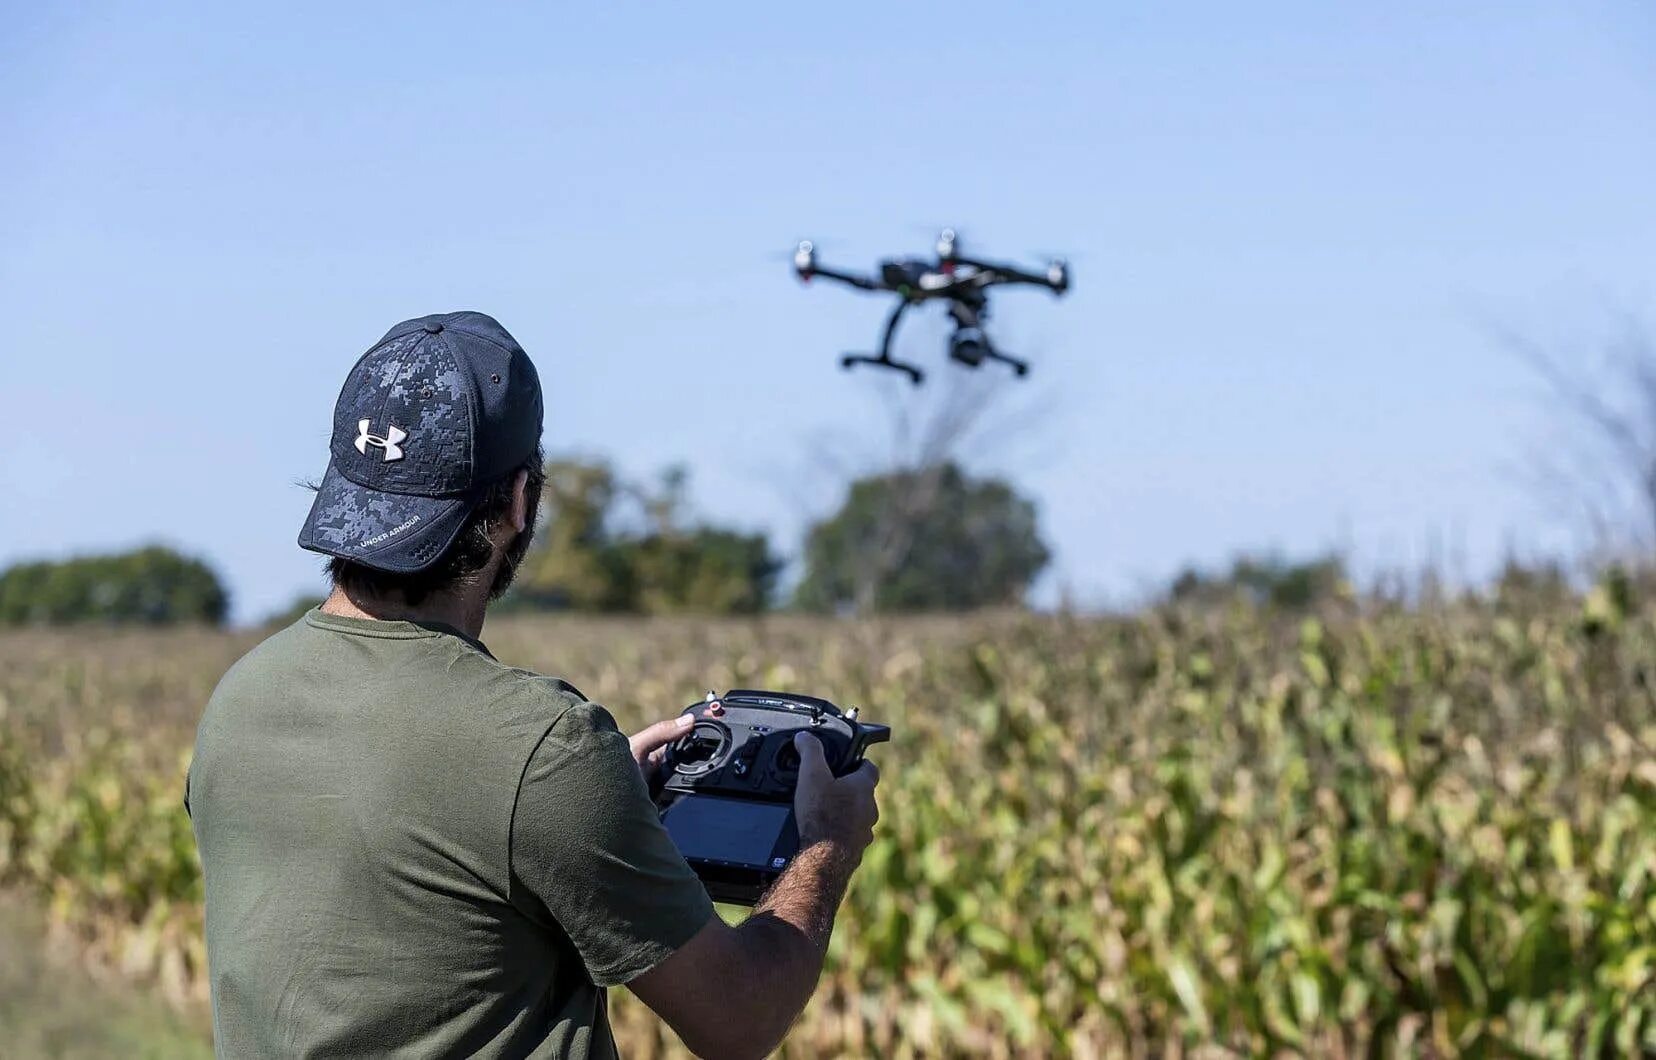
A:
[793,248]
[804,258]
[948,244]
[817,245]
[1057,267]
[948,238]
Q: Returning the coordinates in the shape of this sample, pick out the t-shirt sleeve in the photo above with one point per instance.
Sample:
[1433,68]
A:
[587,842]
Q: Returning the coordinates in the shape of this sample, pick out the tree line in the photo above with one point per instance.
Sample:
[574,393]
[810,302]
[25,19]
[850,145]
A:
[147,585]
[933,539]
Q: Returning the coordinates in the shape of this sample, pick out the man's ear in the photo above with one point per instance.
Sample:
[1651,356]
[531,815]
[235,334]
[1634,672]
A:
[521,513]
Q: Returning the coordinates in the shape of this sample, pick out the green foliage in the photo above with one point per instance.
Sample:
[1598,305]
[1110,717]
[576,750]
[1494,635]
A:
[568,567]
[585,560]
[929,540]
[704,570]
[1266,581]
[151,585]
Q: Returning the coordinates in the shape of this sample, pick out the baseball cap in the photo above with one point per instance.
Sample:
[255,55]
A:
[438,410]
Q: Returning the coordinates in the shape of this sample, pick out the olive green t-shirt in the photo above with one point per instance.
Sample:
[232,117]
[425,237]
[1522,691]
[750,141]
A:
[413,850]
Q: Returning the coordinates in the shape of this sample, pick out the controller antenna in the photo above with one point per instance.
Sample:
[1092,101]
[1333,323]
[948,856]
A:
[851,715]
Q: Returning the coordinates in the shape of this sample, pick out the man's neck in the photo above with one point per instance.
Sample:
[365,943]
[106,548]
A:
[461,611]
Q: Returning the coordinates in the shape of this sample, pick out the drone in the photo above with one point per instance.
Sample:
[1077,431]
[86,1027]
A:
[961,282]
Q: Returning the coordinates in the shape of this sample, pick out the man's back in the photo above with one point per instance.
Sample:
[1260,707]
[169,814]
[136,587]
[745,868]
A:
[412,850]
[409,847]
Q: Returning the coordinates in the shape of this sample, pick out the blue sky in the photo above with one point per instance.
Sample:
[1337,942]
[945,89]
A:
[1294,225]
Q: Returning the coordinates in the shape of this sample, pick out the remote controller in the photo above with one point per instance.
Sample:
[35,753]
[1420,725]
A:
[727,798]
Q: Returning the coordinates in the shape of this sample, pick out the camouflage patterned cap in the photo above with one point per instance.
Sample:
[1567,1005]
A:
[440,409]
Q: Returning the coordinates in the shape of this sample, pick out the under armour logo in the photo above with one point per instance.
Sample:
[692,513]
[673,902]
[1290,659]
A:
[391,443]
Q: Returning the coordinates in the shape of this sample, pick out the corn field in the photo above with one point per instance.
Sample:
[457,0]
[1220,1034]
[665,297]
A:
[1207,832]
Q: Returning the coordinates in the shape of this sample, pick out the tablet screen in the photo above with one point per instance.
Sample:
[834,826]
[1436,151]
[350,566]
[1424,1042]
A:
[730,830]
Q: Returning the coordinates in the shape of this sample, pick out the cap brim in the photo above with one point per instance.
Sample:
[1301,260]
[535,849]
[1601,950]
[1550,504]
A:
[395,532]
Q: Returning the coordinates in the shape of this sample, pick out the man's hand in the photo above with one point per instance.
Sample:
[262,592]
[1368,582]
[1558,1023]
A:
[837,810]
[777,953]
[649,747]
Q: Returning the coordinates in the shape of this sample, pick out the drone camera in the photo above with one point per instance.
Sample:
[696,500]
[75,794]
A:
[969,346]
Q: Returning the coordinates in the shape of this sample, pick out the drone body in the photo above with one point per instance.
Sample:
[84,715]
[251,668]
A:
[960,282]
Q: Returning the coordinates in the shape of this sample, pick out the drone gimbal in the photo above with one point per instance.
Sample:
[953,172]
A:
[960,281]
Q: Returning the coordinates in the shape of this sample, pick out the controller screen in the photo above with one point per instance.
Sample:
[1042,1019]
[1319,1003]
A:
[728,830]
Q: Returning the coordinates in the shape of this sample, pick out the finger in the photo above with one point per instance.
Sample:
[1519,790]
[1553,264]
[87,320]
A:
[811,759]
[660,734]
[653,763]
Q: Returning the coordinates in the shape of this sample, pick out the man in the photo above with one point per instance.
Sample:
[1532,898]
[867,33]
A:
[412,849]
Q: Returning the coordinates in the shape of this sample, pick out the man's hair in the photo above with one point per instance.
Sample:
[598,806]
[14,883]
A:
[469,553]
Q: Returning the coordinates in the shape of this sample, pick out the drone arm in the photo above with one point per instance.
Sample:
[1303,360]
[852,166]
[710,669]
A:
[1002,274]
[862,282]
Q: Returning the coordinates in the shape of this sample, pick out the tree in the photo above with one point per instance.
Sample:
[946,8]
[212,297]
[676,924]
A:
[569,566]
[153,585]
[706,570]
[954,543]
[1266,581]
[929,434]
[607,545]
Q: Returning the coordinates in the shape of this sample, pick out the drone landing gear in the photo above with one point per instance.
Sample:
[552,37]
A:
[971,347]
[884,360]
[851,360]
[1019,368]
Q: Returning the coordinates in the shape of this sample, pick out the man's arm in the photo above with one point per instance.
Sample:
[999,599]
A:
[735,991]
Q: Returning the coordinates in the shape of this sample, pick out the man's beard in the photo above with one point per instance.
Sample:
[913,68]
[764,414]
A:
[509,562]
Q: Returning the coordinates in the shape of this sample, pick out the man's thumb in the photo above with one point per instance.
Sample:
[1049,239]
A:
[811,758]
